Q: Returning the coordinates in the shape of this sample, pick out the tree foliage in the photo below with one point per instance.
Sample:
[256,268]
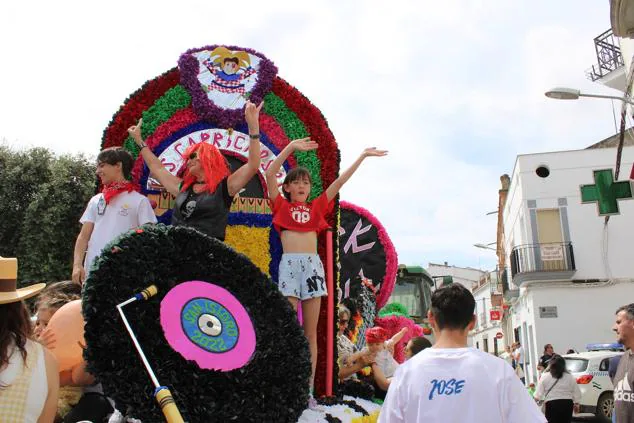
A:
[42,197]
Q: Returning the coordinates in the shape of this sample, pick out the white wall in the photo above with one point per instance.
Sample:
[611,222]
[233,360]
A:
[486,328]
[465,276]
[585,314]
[627,51]
[599,253]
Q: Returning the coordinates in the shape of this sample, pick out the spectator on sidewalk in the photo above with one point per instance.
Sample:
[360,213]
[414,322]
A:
[507,355]
[624,376]
[559,390]
[549,353]
[453,383]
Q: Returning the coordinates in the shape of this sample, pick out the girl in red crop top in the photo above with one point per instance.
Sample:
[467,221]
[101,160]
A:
[301,275]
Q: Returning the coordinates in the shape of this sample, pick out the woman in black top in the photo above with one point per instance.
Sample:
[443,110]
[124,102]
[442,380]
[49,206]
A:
[204,194]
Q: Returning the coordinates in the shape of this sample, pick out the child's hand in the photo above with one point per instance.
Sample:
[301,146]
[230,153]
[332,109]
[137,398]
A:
[252,113]
[373,152]
[304,144]
[135,132]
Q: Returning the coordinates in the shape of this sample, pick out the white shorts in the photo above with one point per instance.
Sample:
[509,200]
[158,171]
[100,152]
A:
[302,276]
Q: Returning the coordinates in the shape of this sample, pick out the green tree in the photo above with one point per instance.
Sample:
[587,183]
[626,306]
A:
[42,197]
[21,175]
[51,221]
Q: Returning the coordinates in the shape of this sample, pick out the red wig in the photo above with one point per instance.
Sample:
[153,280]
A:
[214,164]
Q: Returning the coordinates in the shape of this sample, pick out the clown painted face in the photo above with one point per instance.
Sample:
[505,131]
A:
[230,67]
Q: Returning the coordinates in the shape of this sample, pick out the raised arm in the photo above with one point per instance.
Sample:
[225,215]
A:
[238,179]
[334,188]
[394,340]
[170,182]
[303,144]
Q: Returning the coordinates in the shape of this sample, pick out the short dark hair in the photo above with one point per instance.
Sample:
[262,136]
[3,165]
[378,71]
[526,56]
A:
[557,366]
[628,309]
[231,59]
[452,306]
[296,173]
[419,343]
[114,155]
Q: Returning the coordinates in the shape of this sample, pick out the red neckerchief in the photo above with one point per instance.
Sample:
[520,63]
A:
[111,190]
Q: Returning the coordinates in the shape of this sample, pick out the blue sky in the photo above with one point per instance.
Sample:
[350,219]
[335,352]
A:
[453,89]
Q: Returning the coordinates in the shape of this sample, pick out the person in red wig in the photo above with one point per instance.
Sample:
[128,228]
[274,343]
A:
[205,192]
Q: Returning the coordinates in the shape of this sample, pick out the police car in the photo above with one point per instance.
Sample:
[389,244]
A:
[590,368]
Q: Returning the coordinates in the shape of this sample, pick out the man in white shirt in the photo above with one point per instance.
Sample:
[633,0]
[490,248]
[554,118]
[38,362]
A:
[453,383]
[117,209]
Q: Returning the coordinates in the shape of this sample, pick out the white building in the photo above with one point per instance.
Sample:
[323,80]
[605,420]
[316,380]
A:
[466,276]
[487,334]
[567,270]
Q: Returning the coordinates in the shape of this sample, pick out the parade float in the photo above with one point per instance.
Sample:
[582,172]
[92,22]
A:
[199,324]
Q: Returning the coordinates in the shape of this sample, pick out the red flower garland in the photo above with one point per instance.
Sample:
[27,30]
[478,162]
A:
[179,120]
[277,136]
[117,130]
[315,122]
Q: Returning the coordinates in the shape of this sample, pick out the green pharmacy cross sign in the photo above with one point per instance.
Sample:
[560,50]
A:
[606,192]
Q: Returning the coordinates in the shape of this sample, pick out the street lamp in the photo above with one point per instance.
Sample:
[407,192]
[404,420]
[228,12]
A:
[562,93]
[486,246]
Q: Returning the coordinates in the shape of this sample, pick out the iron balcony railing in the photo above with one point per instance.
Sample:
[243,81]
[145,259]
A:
[551,257]
[609,57]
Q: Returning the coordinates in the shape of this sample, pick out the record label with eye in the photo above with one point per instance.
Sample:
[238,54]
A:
[207,324]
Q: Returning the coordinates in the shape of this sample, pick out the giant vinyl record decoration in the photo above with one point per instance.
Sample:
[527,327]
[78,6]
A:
[218,333]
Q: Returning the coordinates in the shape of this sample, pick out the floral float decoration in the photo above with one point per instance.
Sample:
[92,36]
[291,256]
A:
[393,317]
[368,266]
[202,100]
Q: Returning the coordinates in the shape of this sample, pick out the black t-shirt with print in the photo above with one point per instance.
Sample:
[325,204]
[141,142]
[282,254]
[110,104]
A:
[207,212]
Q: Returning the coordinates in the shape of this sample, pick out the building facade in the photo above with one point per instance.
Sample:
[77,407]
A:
[567,269]
[487,334]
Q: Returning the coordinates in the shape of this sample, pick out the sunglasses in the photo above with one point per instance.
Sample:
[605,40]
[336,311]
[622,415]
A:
[193,156]
[343,321]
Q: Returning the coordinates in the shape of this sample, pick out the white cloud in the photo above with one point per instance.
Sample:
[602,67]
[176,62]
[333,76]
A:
[427,80]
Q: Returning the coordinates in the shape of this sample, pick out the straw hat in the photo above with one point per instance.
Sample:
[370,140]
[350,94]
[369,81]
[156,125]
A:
[8,283]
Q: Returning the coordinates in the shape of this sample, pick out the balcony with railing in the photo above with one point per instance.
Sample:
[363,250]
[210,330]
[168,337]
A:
[610,67]
[542,262]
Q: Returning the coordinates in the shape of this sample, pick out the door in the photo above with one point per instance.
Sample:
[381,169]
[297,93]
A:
[550,239]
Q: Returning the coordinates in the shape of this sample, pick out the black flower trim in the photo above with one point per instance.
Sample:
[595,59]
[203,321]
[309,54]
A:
[356,388]
[272,387]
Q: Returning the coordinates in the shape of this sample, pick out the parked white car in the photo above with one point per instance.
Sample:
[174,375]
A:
[590,368]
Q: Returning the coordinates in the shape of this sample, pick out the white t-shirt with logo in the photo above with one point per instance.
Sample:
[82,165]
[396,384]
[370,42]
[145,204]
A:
[126,211]
[458,385]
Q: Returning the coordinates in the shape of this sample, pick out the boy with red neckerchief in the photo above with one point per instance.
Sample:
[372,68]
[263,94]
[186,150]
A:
[117,209]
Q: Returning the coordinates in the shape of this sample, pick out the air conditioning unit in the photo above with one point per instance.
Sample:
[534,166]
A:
[622,18]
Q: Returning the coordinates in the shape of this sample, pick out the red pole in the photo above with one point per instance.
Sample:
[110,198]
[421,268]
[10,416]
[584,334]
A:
[330,323]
